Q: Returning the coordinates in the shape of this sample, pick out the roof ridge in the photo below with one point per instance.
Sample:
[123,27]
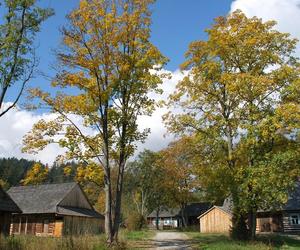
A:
[43,184]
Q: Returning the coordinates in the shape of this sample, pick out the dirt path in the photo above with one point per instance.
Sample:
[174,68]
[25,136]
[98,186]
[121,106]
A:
[171,240]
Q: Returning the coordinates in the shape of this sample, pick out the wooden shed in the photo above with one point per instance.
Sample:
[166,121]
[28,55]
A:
[215,220]
[54,210]
[7,207]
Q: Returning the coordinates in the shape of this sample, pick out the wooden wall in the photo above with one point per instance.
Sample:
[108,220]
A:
[5,220]
[50,225]
[73,225]
[269,223]
[42,225]
[215,221]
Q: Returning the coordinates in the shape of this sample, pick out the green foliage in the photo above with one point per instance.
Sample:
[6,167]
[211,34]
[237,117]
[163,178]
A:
[13,170]
[135,221]
[21,22]
[241,104]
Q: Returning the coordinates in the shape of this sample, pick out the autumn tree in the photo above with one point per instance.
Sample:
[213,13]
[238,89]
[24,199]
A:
[146,187]
[36,175]
[177,163]
[242,96]
[22,20]
[109,59]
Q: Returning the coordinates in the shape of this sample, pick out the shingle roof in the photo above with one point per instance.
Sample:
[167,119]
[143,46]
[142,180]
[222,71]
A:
[40,199]
[7,204]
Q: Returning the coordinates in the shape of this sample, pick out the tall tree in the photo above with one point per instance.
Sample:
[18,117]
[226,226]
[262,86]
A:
[109,59]
[238,94]
[22,20]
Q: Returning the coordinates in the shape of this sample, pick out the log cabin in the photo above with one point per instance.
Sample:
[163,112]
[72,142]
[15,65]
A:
[54,210]
[284,219]
[7,207]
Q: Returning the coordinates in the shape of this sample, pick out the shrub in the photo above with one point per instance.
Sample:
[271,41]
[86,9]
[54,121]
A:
[135,222]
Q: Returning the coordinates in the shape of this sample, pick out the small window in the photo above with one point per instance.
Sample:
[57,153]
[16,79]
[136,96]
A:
[295,219]
[46,226]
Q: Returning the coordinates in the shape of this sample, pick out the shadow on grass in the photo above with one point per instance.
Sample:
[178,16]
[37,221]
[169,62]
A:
[279,240]
[267,241]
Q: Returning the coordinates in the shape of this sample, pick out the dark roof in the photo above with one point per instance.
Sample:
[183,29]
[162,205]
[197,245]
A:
[191,210]
[7,204]
[166,213]
[293,202]
[195,209]
[41,199]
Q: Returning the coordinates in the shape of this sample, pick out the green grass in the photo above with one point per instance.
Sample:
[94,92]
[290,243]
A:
[137,235]
[223,242]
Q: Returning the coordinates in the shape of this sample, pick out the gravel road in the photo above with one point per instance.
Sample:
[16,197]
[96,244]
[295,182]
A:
[170,240]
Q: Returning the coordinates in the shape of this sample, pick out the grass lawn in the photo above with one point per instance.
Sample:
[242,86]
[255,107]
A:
[223,242]
[128,240]
[137,239]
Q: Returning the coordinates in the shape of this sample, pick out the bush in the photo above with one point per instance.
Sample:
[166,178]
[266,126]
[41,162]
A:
[135,222]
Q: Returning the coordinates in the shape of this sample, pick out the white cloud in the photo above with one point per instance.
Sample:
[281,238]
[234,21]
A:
[13,126]
[16,123]
[285,12]
[159,138]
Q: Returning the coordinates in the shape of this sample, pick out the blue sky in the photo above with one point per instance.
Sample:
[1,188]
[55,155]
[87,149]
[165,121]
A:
[176,23]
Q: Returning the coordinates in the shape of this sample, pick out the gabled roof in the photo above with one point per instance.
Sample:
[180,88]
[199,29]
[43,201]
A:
[215,207]
[7,204]
[63,199]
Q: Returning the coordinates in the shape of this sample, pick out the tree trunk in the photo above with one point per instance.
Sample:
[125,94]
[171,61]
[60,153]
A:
[252,224]
[157,218]
[183,216]
[117,217]
[108,206]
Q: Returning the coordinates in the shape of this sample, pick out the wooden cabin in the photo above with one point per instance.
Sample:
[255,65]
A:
[285,219]
[172,217]
[7,207]
[54,210]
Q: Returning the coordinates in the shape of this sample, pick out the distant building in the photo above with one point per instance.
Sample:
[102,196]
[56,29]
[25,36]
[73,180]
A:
[173,217]
[54,210]
[286,219]
[7,207]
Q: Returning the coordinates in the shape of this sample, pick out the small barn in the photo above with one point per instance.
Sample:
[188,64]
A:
[54,210]
[7,207]
[215,220]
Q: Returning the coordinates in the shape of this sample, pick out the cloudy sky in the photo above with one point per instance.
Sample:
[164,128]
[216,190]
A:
[175,24]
